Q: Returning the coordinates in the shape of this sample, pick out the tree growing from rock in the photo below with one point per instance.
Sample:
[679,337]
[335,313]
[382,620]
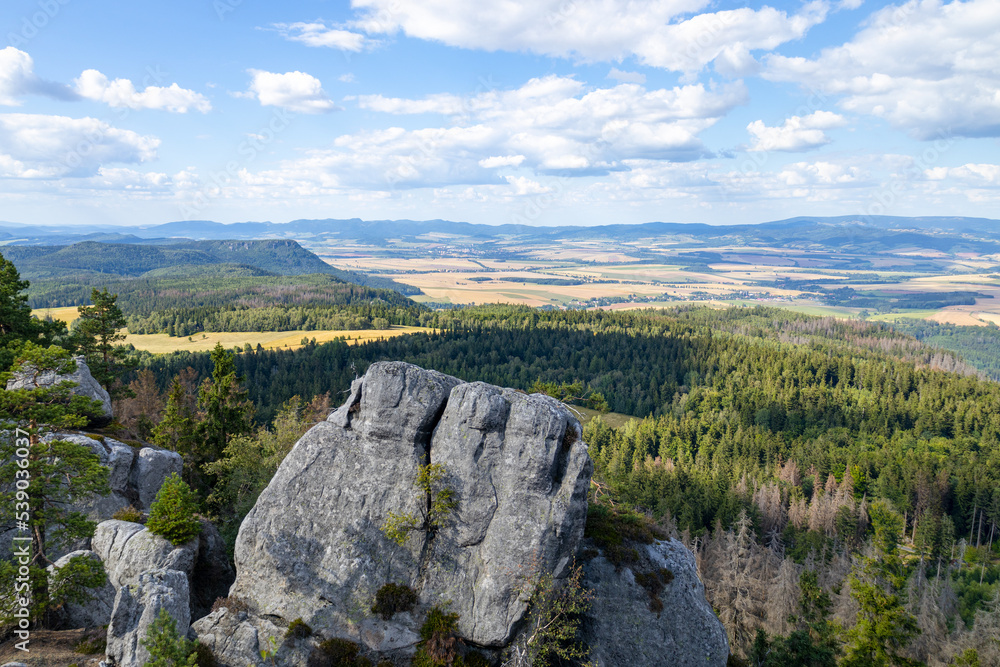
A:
[441,502]
[172,514]
[165,645]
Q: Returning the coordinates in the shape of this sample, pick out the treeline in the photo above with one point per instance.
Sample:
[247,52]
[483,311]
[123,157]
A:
[847,296]
[979,345]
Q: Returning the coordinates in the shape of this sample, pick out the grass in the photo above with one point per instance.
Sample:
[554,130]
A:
[200,342]
[67,314]
[612,419]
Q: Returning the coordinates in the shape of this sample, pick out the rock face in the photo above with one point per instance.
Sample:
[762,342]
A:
[313,548]
[621,629]
[137,606]
[151,467]
[94,612]
[129,549]
[86,384]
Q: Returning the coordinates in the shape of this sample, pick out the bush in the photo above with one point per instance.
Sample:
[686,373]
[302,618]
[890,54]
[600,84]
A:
[337,653]
[128,514]
[392,599]
[232,603]
[440,646]
[615,531]
[166,647]
[298,629]
[205,657]
[172,514]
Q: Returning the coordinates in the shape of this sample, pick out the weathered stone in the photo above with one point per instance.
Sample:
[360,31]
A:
[87,386]
[313,548]
[152,466]
[137,606]
[236,638]
[96,611]
[129,549]
[621,629]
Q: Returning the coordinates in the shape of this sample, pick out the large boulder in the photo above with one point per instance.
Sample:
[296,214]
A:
[137,606]
[651,613]
[129,549]
[95,611]
[313,545]
[30,378]
[236,639]
[151,467]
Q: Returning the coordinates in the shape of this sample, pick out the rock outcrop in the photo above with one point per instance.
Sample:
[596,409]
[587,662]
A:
[137,606]
[313,545]
[29,378]
[129,549]
[652,613]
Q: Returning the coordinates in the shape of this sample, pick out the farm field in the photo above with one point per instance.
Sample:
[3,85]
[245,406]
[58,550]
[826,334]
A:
[162,343]
[641,274]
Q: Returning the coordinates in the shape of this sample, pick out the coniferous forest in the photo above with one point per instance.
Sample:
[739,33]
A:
[838,481]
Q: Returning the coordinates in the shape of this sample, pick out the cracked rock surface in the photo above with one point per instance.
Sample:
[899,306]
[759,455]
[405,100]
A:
[313,548]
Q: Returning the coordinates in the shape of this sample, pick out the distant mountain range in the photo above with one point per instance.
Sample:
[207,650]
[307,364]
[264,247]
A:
[869,234]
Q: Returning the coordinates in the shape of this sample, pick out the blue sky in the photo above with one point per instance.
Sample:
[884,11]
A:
[538,112]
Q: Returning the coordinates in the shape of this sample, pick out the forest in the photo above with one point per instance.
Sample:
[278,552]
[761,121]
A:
[838,481]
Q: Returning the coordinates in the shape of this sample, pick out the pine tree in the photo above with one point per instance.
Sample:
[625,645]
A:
[176,430]
[172,514]
[97,333]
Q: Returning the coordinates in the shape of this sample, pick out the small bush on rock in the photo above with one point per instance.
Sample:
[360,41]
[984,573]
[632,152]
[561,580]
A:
[440,645]
[337,653]
[232,603]
[204,656]
[172,514]
[392,599]
[298,629]
[128,514]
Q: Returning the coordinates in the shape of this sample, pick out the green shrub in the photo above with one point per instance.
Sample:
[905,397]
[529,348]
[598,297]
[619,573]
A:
[616,530]
[172,514]
[166,647]
[337,653]
[440,645]
[298,629]
[392,599]
[128,514]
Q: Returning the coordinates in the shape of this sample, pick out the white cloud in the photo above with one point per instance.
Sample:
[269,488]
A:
[346,78]
[976,175]
[319,34]
[294,91]
[17,78]
[655,32]
[626,77]
[493,162]
[39,146]
[119,93]
[796,133]
[926,66]
[550,124]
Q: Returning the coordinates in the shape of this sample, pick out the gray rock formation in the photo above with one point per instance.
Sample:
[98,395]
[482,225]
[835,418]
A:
[313,548]
[621,628]
[87,386]
[129,549]
[151,467]
[94,612]
[137,606]
[236,638]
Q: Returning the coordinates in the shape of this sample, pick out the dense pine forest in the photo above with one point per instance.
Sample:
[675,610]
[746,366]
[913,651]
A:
[838,481]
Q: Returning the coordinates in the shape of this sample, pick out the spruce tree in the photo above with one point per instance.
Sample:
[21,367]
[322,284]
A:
[167,648]
[172,514]
[223,400]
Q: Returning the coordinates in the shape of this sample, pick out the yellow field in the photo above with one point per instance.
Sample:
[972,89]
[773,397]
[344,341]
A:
[162,343]
[67,314]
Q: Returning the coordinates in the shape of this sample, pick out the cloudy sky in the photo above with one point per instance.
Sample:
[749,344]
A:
[530,111]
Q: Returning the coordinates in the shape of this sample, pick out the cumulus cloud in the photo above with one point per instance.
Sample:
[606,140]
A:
[294,91]
[927,67]
[548,125]
[121,93]
[626,77]
[41,146]
[972,174]
[17,79]
[656,32]
[319,34]
[796,133]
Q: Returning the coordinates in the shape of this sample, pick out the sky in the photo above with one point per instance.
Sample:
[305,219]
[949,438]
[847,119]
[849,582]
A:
[540,112]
